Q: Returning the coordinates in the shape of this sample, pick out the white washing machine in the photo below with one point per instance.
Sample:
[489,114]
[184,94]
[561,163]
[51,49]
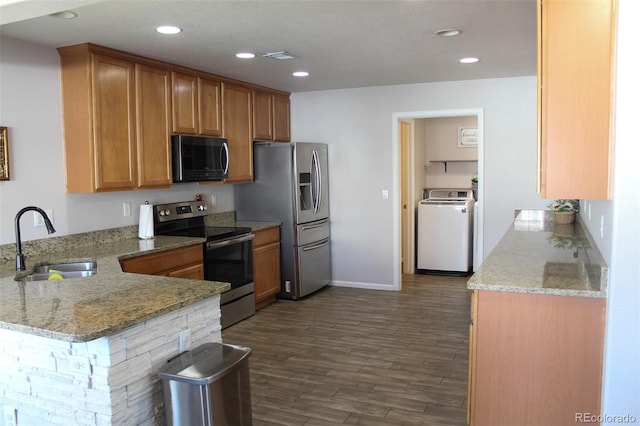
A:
[445,232]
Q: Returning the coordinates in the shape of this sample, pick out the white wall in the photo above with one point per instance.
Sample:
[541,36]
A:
[30,106]
[621,241]
[357,125]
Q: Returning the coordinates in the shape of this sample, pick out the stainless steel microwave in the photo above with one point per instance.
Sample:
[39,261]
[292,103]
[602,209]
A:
[198,158]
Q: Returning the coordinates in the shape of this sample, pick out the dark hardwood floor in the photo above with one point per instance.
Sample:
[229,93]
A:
[361,357]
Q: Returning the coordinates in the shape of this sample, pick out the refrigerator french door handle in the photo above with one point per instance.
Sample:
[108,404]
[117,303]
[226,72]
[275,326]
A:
[225,152]
[315,167]
[316,246]
[312,184]
[319,179]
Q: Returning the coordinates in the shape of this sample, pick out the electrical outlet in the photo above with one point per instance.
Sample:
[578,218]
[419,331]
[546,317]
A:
[184,340]
[126,208]
[38,220]
[10,416]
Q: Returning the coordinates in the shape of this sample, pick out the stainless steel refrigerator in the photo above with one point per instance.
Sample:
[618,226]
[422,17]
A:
[291,185]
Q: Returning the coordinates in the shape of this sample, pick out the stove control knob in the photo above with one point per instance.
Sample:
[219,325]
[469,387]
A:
[202,207]
[165,212]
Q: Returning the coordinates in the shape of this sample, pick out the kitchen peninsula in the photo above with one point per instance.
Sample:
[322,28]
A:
[537,326]
[87,350]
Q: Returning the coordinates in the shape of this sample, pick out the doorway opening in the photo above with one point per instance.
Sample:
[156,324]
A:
[409,186]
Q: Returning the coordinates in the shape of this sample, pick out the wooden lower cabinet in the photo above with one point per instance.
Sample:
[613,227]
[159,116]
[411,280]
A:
[266,266]
[534,359]
[184,262]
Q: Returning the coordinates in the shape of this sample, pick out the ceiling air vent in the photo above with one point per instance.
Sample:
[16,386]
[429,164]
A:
[278,55]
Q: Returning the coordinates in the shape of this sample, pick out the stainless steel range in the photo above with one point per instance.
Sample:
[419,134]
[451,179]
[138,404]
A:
[227,254]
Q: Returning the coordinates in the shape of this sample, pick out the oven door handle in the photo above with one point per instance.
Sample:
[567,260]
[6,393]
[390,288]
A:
[237,240]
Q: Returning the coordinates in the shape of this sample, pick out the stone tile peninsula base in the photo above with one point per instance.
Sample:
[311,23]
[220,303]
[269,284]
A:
[108,381]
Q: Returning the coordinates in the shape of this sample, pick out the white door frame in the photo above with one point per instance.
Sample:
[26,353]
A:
[396,184]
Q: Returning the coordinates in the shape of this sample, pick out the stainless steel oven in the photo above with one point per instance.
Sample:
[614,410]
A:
[229,259]
[227,254]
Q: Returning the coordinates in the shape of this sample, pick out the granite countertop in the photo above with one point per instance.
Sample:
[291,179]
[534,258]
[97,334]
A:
[88,308]
[83,309]
[538,256]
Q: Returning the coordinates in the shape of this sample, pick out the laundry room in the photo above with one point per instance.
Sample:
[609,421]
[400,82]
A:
[451,151]
[445,213]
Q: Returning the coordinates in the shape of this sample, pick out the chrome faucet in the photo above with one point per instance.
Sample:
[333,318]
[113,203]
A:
[20,266]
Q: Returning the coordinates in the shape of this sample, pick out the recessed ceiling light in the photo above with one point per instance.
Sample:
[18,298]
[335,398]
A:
[65,14]
[300,74]
[469,60]
[168,29]
[448,33]
[245,55]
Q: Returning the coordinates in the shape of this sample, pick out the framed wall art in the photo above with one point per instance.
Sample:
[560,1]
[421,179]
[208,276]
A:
[467,137]
[4,154]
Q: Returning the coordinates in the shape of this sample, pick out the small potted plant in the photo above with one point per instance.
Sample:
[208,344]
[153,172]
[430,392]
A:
[564,211]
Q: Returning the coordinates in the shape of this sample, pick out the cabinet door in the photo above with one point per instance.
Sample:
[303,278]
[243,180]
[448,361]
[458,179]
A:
[114,121]
[472,358]
[209,108]
[153,114]
[193,272]
[262,116]
[538,358]
[266,266]
[281,118]
[266,271]
[185,103]
[165,262]
[236,117]
[575,57]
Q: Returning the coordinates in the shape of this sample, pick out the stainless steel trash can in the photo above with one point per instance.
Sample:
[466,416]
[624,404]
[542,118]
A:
[208,386]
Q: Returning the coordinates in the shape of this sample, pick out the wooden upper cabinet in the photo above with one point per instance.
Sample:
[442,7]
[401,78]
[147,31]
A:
[153,111]
[262,115]
[281,118]
[99,120]
[236,116]
[270,116]
[116,117]
[209,107]
[120,110]
[575,72]
[185,103]
[196,105]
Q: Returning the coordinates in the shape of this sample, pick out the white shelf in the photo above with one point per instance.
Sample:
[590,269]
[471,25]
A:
[451,161]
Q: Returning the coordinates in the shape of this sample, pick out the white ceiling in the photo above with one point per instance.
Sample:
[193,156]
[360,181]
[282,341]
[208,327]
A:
[344,43]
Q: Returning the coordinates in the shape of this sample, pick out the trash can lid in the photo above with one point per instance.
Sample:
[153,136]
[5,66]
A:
[205,364]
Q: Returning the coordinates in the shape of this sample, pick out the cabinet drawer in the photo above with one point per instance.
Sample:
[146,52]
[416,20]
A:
[157,263]
[266,236]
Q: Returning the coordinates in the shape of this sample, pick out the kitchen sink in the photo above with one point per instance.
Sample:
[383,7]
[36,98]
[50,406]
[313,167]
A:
[66,267]
[59,275]
[63,270]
